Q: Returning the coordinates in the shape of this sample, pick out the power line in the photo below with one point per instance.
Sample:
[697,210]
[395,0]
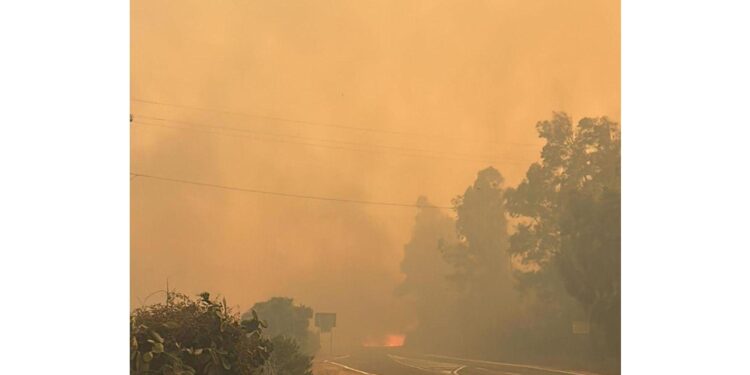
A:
[246,136]
[253,138]
[334,147]
[305,122]
[288,195]
[275,118]
[245,130]
[485,158]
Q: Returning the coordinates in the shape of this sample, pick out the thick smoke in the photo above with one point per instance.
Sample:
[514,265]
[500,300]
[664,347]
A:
[454,77]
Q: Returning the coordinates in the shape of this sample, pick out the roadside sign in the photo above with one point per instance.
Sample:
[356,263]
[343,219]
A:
[325,321]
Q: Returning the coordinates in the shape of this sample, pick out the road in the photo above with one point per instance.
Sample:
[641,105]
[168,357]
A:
[393,361]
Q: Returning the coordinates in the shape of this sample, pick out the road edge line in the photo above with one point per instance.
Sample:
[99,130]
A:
[511,364]
[347,367]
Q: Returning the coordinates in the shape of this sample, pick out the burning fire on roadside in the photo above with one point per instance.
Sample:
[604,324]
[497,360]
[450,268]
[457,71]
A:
[387,341]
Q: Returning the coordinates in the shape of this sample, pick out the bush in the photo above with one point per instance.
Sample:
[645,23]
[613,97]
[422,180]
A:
[287,358]
[195,336]
[288,319]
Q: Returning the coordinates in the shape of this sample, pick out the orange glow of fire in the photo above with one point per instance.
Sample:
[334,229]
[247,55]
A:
[388,341]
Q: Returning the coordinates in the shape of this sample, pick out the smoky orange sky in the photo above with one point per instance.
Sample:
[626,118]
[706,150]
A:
[467,80]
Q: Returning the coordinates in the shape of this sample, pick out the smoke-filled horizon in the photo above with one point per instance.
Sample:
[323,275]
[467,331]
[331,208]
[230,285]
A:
[445,89]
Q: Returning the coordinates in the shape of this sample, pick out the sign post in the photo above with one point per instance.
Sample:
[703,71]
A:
[326,322]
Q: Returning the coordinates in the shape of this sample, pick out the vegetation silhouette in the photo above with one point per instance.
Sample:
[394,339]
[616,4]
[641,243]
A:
[507,278]
[520,265]
[201,335]
[285,318]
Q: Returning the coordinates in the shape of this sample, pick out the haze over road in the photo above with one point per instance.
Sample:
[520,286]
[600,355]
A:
[395,361]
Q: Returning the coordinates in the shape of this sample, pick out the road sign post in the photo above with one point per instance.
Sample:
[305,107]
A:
[326,322]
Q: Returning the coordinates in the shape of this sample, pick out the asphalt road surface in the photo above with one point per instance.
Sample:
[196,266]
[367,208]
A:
[392,361]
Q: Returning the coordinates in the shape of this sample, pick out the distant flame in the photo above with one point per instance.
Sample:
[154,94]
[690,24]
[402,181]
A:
[389,341]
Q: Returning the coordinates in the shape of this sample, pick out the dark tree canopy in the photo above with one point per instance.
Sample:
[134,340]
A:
[423,266]
[288,319]
[480,257]
[425,279]
[481,264]
[569,210]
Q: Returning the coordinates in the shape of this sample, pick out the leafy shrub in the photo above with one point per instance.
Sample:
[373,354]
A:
[291,320]
[195,336]
[287,358]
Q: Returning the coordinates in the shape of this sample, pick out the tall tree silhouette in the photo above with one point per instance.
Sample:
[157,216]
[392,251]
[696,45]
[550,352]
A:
[425,280]
[481,263]
[568,206]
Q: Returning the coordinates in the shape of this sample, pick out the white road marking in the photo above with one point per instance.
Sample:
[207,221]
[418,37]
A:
[455,372]
[348,368]
[511,365]
[427,365]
